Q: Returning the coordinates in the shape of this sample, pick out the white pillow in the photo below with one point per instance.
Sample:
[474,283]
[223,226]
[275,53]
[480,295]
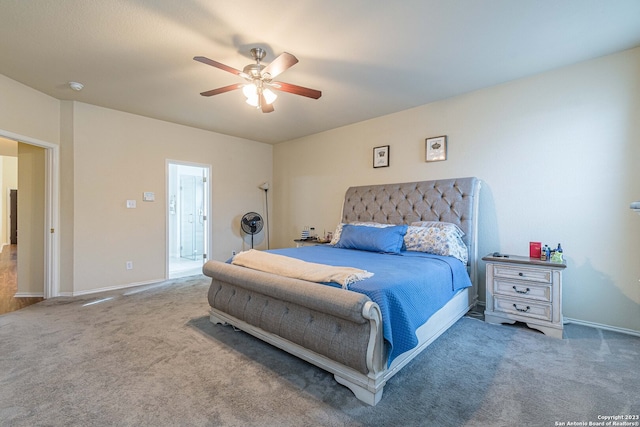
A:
[439,224]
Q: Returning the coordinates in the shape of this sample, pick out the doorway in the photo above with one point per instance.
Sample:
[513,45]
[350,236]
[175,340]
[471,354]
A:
[48,250]
[188,207]
[25,282]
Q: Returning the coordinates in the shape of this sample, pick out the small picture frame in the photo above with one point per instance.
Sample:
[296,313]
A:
[381,156]
[436,148]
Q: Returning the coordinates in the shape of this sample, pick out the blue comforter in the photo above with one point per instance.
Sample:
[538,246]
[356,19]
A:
[409,287]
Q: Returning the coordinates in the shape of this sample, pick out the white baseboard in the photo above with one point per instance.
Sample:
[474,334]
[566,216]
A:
[109,288]
[28,295]
[601,326]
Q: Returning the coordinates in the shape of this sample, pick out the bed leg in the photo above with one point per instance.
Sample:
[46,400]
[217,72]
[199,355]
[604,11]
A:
[363,394]
[216,320]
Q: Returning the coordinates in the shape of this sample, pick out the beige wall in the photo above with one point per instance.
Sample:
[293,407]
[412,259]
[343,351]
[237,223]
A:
[558,154]
[107,157]
[116,157]
[27,112]
[8,147]
[9,176]
[66,197]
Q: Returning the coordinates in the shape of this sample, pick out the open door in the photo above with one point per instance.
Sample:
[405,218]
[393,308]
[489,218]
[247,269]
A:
[187,218]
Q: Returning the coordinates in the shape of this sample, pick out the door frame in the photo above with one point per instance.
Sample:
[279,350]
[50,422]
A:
[10,214]
[209,229]
[51,210]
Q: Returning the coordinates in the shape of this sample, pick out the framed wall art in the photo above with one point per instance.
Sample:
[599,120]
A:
[381,157]
[436,148]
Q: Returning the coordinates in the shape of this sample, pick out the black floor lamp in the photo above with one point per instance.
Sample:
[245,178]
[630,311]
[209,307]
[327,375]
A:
[265,186]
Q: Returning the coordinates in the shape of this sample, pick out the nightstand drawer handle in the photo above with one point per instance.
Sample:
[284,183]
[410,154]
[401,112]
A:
[523,310]
[520,274]
[521,292]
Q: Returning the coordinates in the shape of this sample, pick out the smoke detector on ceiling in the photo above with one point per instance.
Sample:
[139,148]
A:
[76,86]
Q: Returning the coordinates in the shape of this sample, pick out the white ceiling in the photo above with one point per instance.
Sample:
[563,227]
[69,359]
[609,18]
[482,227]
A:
[368,57]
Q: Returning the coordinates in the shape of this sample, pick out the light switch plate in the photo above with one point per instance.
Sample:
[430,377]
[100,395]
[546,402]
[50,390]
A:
[148,196]
[131,204]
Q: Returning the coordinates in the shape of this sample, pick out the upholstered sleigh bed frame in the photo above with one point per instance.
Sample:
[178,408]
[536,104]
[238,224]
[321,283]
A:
[338,330]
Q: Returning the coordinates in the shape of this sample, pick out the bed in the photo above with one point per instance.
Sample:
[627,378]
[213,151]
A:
[346,331]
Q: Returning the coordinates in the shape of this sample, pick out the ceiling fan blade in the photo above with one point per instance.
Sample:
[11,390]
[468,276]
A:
[222,89]
[281,63]
[218,65]
[266,108]
[298,90]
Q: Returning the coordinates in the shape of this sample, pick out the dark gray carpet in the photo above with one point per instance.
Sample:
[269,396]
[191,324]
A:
[151,358]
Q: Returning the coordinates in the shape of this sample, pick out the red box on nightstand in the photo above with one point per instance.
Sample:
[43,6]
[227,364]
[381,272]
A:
[534,249]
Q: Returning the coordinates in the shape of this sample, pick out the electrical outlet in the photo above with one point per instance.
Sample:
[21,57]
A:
[233,253]
[129,265]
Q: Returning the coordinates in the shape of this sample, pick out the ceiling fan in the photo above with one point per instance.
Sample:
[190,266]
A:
[259,80]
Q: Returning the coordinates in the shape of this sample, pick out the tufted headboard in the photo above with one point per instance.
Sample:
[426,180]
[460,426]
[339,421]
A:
[449,200]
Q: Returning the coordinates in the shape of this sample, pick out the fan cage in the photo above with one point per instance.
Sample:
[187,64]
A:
[252,224]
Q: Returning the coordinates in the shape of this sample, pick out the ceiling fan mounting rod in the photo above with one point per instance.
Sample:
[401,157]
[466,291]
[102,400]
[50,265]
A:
[258,54]
[254,71]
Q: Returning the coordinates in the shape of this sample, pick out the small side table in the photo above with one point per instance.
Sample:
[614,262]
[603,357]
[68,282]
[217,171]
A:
[308,242]
[526,290]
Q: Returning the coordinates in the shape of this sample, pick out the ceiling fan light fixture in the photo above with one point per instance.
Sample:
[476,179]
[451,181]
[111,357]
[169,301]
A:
[253,101]
[269,96]
[250,91]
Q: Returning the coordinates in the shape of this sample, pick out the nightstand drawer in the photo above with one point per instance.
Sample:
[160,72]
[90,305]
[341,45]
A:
[522,308]
[522,289]
[542,275]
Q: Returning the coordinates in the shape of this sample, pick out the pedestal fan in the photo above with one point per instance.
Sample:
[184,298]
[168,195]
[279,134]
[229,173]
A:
[251,223]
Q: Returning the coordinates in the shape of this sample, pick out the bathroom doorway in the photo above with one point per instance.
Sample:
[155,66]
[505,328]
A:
[188,207]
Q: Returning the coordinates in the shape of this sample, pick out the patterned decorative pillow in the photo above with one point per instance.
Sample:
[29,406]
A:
[439,224]
[438,241]
[336,235]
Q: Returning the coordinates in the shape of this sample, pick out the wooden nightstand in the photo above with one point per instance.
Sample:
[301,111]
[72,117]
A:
[308,242]
[526,290]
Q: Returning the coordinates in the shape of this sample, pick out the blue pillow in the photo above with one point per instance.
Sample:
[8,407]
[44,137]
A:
[372,239]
